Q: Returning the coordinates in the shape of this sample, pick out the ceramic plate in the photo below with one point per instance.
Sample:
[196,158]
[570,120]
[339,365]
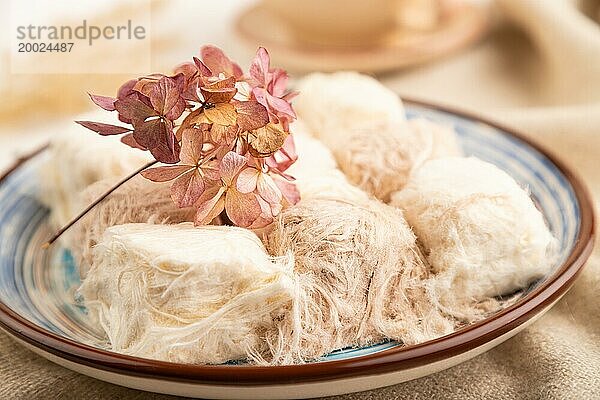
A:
[39,309]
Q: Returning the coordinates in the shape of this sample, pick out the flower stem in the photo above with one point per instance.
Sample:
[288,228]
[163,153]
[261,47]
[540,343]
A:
[95,203]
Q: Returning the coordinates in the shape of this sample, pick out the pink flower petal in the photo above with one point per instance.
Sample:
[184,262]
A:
[279,80]
[283,158]
[187,189]
[192,141]
[107,103]
[231,164]
[276,208]
[260,94]
[218,62]
[288,190]
[266,215]
[210,205]
[166,173]
[280,106]
[242,208]
[251,115]
[259,69]
[210,169]
[268,190]
[247,180]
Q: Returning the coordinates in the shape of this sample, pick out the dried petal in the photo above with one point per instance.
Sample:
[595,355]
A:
[283,158]
[231,164]
[104,129]
[266,140]
[188,69]
[222,114]
[146,84]
[247,180]
[126,89]
[202,68]
[190,82]
[259,69]
[165,96]
[192,141]
[166,173]
[279,80]
[251,115]
[166,154]
[219,91]
[281,106]
[187,189]
[134,110]
[196,117]
[107,103]
[210,205]
[149,133]
[222,133]
[276,208]
[211,169]
[266,215]
[267,189]
[242,208]
[288,190]
[244,91]
[226,83]
[223,95]
[260,94]
[218,62]
[130,141]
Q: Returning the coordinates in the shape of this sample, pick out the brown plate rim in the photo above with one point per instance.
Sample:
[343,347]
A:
[391,360]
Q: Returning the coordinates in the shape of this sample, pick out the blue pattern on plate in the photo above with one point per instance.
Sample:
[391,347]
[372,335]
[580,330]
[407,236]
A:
[39,285]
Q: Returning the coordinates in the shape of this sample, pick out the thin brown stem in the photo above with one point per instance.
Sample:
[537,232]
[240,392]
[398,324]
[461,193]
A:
[95,203]
[185,124]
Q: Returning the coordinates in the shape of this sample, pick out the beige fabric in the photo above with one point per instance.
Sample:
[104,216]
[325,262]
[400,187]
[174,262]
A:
[545,81]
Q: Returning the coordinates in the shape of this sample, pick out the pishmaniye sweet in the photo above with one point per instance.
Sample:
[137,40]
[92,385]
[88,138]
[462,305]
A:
[364,126]
[227,225]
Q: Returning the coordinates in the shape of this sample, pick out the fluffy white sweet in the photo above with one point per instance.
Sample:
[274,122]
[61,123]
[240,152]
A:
[316,171]
[139,200]
[185,294]
[432,140]
[363,125]
[78,158]
[346,101]
[481,232]
[313,156]
[360,280]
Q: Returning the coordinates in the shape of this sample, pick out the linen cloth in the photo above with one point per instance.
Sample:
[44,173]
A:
[538,71]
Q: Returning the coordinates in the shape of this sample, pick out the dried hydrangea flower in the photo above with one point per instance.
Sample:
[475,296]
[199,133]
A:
[224,135]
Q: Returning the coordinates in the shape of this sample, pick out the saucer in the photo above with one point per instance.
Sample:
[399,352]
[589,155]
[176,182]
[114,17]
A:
[460,25]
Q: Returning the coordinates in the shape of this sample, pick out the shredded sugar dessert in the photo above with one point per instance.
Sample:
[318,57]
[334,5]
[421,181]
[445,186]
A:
[185,294]
[482,234]
[364,126]
[255,235]
[359,276]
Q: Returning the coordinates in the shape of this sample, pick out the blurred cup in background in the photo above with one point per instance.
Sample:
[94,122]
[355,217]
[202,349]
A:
[337,22]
